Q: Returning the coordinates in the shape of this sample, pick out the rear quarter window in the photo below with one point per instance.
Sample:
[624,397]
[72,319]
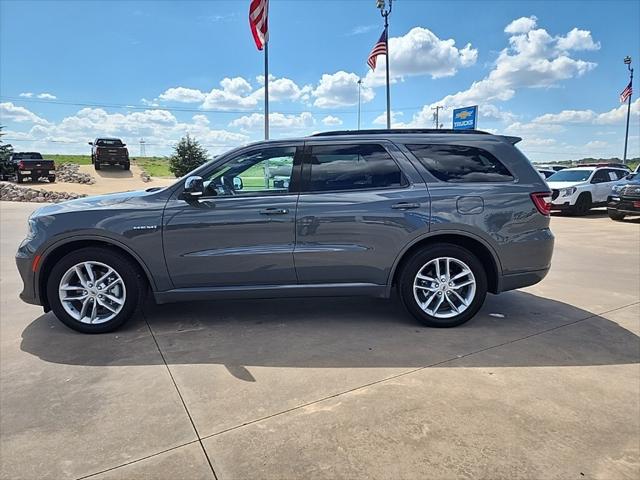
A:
[460,164]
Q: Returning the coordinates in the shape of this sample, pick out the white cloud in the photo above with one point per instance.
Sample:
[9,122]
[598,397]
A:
[531,128]
[9,111]
[619,114]
[567,116]
[42,96]
[340,89]
[521,25]
[160,129]
[421,52]
[282,89]
[330,120]
[533,59]
[236,93]
[276,120]
[182,95]
[382,119]
[613,116]
[597,144]
[578,39]
[360,29]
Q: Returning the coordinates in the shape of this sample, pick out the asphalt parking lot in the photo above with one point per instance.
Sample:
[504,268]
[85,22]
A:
[543,383]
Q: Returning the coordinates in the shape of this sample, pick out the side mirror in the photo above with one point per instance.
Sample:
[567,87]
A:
[237,183]
[124,144]
[193,188]
[90,143]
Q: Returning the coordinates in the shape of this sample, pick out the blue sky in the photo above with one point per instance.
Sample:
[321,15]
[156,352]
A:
[550,72]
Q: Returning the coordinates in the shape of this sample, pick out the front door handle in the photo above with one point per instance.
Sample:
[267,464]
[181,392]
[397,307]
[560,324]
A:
[274,211]
[405,206]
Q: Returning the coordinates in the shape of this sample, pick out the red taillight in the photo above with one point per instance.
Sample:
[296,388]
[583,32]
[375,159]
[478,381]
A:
[542,201]
[21,165]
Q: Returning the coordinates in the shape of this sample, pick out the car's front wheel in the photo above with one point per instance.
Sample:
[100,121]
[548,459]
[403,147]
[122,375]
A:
[443,285]
[94,290]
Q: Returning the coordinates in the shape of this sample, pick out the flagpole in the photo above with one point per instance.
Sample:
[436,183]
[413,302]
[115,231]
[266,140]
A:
[627,61]
[385,13]
[266,90]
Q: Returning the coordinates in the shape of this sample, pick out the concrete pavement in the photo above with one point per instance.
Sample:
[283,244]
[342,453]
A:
[543,383]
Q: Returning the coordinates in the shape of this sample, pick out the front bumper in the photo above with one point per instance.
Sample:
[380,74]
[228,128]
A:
[29,292]
[626,205]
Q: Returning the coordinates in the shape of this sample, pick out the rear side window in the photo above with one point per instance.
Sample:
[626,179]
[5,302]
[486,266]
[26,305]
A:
[460,164]
[353,167]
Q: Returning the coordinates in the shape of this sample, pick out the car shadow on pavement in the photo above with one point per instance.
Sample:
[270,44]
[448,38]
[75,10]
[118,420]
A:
[115,171]
[340,333]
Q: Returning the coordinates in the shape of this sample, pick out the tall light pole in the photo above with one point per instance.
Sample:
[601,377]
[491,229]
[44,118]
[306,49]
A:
[385,12]
[359,86]
[627,62]
[436,115]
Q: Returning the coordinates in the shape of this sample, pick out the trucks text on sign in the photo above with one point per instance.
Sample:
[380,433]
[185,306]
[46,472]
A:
[465,118]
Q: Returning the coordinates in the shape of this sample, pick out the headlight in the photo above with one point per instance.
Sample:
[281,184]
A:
[567,192]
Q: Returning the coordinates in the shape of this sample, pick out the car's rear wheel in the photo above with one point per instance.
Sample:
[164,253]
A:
[96,165]
[616,215]
[443,285]
[126,166]
[583,205]
[94,290]
[52,178]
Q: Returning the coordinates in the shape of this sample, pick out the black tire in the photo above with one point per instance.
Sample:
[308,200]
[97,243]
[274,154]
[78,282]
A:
[133,279]
[415,265]
[96,165]
[617,216]
[583,205]
[126,166]
[19,178]
[52,178]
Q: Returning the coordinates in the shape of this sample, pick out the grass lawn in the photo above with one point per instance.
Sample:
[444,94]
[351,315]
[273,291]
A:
[154,166]
[79,159]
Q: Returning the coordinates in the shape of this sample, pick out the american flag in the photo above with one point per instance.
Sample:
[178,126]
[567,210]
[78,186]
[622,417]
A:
[379,48]
[626,93]
[258,12]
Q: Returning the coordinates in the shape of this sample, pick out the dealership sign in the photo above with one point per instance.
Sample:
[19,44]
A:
[465,118]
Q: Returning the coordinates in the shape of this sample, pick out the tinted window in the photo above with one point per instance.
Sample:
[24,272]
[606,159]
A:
[601,176]
[455,163]
[108,142]
[352,167]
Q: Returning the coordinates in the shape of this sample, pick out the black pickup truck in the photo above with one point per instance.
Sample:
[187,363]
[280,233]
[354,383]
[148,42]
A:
[23,165]
[110,151]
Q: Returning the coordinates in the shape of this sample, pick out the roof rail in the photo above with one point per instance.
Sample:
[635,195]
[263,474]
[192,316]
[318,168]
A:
[398,131]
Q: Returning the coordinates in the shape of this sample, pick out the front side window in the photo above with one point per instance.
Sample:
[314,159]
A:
[460,164]
[266,171]
[353,167]
[600,176]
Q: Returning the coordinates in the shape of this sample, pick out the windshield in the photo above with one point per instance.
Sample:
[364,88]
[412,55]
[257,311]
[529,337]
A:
[570,176]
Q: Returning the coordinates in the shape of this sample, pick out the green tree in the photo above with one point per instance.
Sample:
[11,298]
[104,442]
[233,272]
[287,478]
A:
[188,155]
[5,149]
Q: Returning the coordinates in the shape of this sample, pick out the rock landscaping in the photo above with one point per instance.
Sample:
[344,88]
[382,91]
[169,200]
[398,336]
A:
[70,173]
[13,193]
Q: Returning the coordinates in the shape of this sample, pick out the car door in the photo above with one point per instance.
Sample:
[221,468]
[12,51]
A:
[359,205]
[241,231]
[603,181]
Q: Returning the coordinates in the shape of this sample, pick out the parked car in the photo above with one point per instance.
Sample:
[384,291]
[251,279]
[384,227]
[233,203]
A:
[27,165]
[110,151]
[441,216]
[577,190]
[624,199]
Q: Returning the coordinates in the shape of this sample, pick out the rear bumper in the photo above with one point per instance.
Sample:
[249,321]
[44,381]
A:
[521,280]
[628,206]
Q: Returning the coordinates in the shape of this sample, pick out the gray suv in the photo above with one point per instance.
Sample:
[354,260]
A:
[441,216]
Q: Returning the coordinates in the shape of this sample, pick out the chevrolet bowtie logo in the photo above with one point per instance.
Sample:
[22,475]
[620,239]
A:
[463,114]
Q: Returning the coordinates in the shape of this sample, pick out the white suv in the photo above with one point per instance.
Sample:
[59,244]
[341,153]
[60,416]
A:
[577,190]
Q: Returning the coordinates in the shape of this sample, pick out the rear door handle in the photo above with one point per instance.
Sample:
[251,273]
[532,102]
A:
[405,206]
[274,211]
